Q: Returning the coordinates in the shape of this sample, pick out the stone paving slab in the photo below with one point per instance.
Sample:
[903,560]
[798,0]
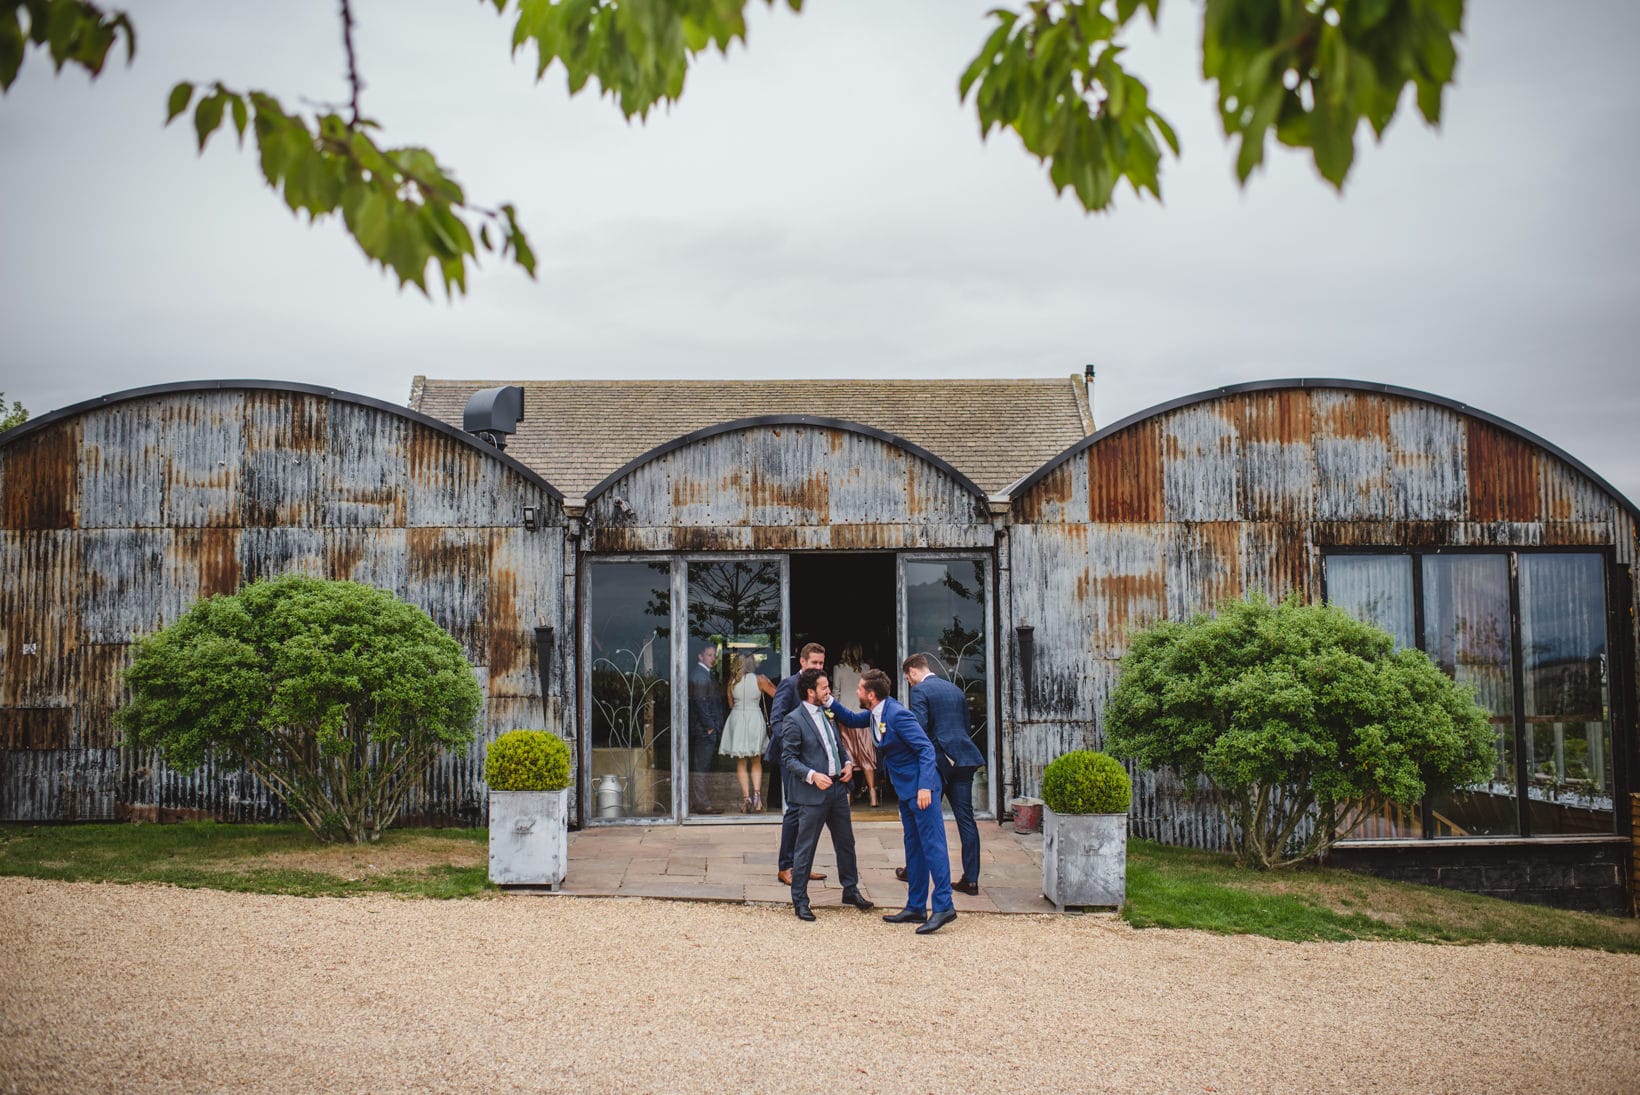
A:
[736,863]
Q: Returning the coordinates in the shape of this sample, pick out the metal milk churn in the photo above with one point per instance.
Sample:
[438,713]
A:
[610,796]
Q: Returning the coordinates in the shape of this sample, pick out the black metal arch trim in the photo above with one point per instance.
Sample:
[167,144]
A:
[16,433]
[1022,485]
[783,420]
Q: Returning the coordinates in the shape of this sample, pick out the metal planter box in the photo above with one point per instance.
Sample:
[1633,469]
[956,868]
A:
[1084,859]
[529,838]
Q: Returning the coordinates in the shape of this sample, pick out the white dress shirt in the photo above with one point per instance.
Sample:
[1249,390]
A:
[825,739]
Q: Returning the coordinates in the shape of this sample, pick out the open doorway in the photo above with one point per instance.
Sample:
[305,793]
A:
[846,601]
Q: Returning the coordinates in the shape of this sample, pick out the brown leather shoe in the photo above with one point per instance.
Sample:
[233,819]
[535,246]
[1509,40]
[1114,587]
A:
[785,876]
[899,873]
[963,885]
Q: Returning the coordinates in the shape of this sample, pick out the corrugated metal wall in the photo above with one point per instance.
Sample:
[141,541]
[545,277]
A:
[1241,493]
[115,520]
[787,487]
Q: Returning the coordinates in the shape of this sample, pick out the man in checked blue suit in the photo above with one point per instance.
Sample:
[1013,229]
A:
[942,708]
[906,752]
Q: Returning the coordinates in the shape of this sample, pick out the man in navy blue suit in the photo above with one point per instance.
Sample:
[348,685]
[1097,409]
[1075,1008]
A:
[905,751]
[942,708]
[786,697]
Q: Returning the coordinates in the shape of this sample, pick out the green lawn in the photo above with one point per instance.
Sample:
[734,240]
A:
[1180,888]
[272,859]
[1167,887]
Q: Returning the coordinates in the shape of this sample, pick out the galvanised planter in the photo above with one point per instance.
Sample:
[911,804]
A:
[529,838]
[1084,859]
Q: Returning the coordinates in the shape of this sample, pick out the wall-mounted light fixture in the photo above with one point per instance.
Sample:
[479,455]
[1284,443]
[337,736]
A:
[543,667]
[532,517]
[1026,635]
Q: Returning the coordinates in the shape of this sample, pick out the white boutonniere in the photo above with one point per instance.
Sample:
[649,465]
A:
[829,716]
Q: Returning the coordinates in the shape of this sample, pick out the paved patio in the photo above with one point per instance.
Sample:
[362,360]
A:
[736,862]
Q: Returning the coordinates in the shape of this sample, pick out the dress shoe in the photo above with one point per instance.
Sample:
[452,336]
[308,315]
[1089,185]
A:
[706,810]
[899,873]
[804,912]
[786,876]
[963,885]
[937,921]
[906,916]
[858,901]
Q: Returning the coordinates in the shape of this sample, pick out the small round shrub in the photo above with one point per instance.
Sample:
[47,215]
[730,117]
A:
[1085,782]
[527,760]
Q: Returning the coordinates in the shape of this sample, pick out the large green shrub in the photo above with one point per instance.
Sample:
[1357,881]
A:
[334,695]
[527,760]
[1292,711]
[1085,782]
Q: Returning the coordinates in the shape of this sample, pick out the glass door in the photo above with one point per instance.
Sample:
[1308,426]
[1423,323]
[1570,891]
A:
[945,613]
[629,693]
[736,642]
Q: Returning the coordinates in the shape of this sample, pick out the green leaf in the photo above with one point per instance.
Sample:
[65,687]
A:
[240,117]
[207,117]
[181,96]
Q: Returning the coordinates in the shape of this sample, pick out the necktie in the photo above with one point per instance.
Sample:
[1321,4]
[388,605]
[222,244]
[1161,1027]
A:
[826,740]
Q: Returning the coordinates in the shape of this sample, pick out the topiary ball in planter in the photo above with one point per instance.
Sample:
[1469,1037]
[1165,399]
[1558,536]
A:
[528,774]
[527,760]
[1084,830]
[1085,782]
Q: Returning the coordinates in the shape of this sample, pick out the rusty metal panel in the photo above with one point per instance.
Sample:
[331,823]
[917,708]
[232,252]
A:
[101,693]
[39,640]
[282,476]
[1427,444]
[1169,810]
[35,728]
[1570,496]
[121,594]
[788,488]
[447,575]
[451,484]
[1034,744]
[364,470]
[270,552]
[1200,454]
[526,591]
[1277,559]
[1126,581]
[1503,475]
[199,563]
[371,556]
[57,785]
[200,445]
[1277,472]
[1125,476]
[40,479]
[1204,567]
[122,468]
[1352,456]
[1054,498]
[1048,576]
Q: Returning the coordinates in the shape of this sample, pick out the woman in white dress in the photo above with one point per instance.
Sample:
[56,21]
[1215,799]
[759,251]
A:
[746,733]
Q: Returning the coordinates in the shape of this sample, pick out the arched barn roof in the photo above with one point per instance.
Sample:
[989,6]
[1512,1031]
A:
[184,387]
[773,420]
[1019,488]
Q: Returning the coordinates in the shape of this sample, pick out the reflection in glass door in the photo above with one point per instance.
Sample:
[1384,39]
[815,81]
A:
[944,614]
[629,652]
[737,636]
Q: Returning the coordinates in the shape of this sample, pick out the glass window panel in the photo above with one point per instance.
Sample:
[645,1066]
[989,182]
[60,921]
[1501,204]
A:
[629,620]
[945,621]
[734,662]
[1564,678]
[1467,633]
[1376,589]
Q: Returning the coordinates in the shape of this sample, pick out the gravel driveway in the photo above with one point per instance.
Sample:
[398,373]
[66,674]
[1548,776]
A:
[106,987]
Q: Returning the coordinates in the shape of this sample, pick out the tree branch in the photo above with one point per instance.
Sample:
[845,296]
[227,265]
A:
[355,84]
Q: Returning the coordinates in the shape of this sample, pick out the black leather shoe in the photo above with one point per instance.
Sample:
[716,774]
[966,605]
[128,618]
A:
[906,916]
[936,922]
[804,912]
[963,885]
[899,873]
[857,901]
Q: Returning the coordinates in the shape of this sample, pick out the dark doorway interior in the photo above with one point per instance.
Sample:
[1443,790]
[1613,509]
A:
[844,598]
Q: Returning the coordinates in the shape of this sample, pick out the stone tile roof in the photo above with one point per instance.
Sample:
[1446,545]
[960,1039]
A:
[575,432]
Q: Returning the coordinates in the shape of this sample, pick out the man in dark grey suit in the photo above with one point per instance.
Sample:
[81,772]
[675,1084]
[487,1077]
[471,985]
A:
[942,708]
[786,697]
[708,708]
[819,768]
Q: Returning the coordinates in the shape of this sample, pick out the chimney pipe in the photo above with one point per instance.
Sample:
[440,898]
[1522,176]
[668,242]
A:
[1087,380]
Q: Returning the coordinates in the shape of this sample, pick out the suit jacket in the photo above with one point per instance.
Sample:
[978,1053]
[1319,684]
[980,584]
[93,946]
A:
[708,705]
[942,709]
[801,751]
[785,698]
[904,748]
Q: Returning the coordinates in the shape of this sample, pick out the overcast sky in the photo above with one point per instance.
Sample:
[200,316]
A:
[820,203]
